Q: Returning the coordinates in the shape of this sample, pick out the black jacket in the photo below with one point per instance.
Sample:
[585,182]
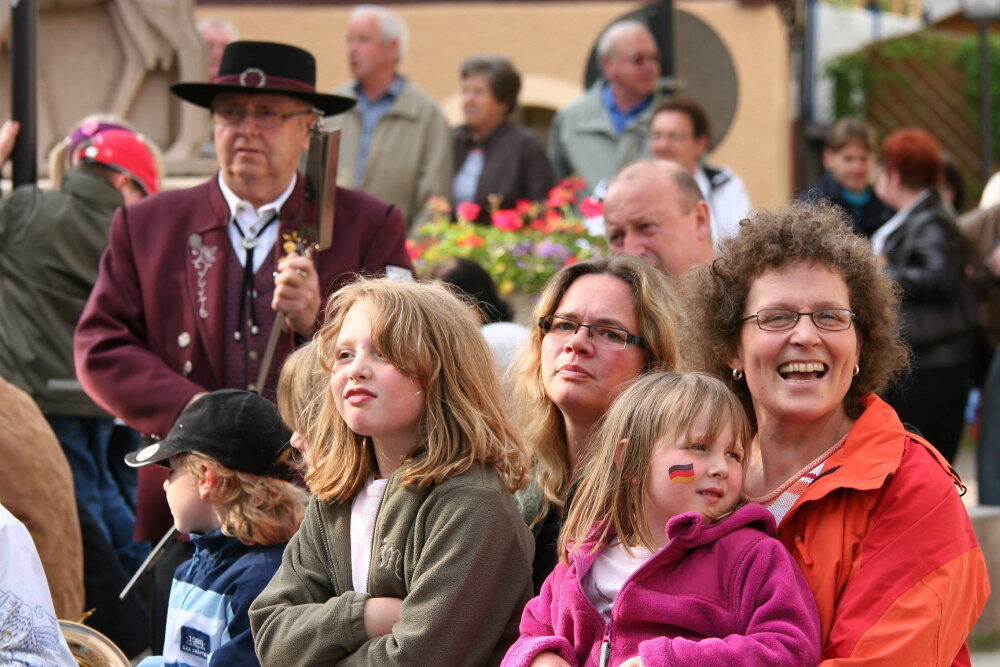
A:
[515,166]
[865,222]
[928,256]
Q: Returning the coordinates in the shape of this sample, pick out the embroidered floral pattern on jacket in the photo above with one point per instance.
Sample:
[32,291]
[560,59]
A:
[202,258]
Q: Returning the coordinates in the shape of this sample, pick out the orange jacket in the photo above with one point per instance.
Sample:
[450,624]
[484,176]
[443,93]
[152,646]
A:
[888,549]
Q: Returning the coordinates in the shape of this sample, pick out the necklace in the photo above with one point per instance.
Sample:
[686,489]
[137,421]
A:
[768,498]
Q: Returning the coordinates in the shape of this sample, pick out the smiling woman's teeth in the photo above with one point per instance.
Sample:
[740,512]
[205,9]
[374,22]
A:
[799,371]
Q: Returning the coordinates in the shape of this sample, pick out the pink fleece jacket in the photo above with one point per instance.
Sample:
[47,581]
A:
[721,593]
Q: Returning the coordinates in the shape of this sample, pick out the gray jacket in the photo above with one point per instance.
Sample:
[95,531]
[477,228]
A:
[457,553]
[409,154]
[582,140]
[50,245]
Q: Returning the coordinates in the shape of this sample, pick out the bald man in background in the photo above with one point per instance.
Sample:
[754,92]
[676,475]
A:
[654,209]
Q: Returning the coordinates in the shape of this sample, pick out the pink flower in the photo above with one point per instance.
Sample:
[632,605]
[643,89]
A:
[507,220]
[590,207]
[467,211]
[412,248]
[539,224]
[471,240]
[523,206]
[559,196]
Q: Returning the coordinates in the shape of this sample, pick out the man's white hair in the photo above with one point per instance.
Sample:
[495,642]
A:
[221,23]
[611,36]
[390,27]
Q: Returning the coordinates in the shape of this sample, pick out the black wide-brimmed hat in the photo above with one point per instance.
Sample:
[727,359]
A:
[264,67]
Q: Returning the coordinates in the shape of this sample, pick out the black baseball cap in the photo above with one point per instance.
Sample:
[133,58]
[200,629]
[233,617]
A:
[239,429]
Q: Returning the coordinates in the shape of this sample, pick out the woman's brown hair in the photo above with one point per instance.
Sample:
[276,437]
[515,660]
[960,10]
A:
[539,418]
[714,297]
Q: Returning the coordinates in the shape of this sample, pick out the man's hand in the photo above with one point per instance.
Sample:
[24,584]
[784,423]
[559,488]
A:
[380,615]
[296,293]
[8,135]
[548,659]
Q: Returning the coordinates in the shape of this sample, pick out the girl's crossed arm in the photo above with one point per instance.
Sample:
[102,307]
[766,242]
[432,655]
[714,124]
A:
[472,576]
[304,616]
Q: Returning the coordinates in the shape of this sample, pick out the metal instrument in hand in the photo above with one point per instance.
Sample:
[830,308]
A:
[315,231]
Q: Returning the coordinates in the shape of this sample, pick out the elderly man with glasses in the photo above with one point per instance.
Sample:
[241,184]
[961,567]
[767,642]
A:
[606,128]
[193,279]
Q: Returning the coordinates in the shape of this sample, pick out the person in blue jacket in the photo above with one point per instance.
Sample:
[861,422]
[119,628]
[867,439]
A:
[227,491]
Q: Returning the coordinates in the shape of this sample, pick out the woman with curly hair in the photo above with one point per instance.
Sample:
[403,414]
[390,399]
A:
[796,316]
[600,324]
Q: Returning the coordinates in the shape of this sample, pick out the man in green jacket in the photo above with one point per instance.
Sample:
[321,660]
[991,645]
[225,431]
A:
[50,244]
[607,127]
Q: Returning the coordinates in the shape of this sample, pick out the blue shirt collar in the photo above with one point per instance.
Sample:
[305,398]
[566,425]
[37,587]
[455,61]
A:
[391,93]
[621,119]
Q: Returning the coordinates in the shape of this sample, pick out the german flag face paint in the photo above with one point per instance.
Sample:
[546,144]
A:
[681,474]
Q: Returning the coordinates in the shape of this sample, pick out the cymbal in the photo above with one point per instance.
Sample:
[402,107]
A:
[90,647]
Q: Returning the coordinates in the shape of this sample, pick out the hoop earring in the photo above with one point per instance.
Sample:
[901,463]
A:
[737,375]
[857,369]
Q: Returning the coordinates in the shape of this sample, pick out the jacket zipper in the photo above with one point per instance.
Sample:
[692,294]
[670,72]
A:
[604,655]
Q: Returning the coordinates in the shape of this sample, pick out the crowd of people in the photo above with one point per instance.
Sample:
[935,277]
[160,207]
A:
[729,441]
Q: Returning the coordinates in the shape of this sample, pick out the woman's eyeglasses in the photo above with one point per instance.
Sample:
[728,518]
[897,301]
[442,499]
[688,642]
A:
[778,319]
[562,329]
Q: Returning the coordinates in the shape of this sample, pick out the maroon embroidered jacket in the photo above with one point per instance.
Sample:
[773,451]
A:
[152,333]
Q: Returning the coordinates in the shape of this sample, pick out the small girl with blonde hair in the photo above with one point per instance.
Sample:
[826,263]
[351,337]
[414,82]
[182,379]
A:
[412,551]
[301,383]
[661,563]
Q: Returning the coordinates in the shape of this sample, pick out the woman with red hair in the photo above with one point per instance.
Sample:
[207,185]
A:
[923,250]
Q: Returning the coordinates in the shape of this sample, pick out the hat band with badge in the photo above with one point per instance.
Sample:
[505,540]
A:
[260,68]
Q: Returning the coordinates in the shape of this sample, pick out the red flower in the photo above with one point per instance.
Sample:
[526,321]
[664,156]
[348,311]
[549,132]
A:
[573,184]
[467,211]
[553,221]
[507,220]
[471,240]
[412,248]
[559,196]
[572,259]
[523,206]
[591,207]
[539,224]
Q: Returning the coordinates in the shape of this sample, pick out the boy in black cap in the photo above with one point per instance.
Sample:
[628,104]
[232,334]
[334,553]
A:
[222,490]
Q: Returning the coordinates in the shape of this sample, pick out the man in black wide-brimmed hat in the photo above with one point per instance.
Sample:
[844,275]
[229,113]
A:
[193,280]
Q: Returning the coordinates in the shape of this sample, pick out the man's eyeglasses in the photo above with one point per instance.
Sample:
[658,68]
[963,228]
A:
[778,319]
[639,58]
[264,118]
[562,329]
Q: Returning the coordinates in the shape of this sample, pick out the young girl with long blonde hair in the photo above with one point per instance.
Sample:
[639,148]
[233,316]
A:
[660,563]
[412,551]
